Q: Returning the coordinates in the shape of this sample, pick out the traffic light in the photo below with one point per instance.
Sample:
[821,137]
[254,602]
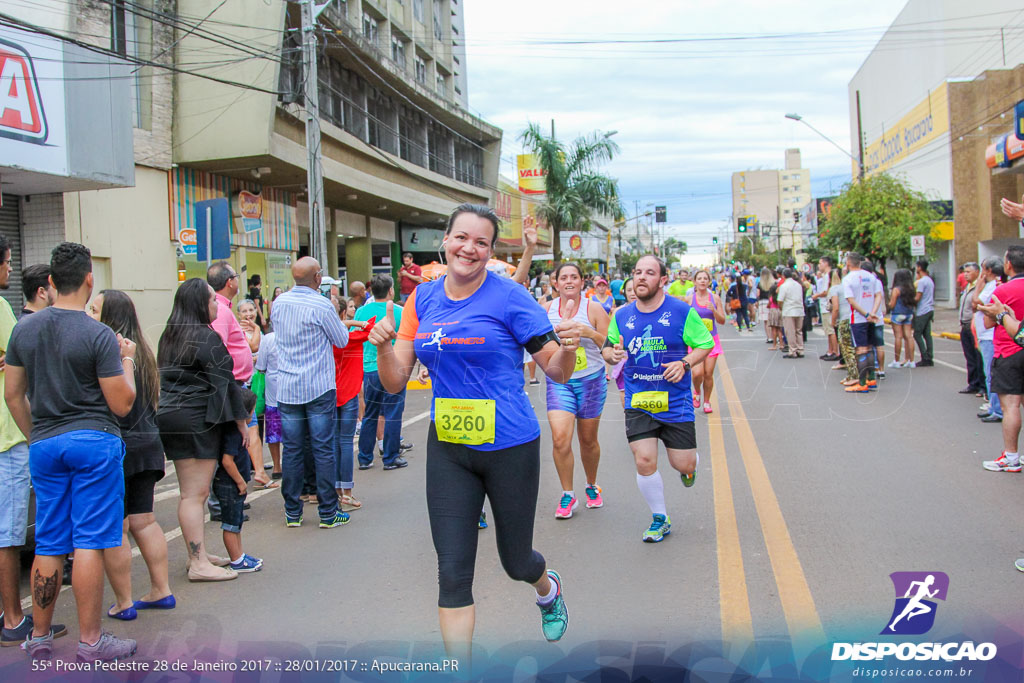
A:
[714,240]
[741,224]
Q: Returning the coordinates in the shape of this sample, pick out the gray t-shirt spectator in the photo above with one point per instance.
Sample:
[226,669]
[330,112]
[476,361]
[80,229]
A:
[65,353]
[927,288]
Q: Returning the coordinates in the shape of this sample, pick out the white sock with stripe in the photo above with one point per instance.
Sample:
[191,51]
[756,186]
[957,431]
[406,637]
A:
[652,488]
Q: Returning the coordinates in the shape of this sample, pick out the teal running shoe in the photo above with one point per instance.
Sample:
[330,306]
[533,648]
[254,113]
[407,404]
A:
[339,519]
[554,618]
[659,529]
[482,524]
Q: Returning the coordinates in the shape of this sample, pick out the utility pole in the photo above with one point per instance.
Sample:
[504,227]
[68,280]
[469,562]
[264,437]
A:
[314,159]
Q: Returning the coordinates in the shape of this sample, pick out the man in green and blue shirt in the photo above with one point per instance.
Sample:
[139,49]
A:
[660,337]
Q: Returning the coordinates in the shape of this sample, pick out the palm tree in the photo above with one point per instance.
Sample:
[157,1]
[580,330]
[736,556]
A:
[576,189]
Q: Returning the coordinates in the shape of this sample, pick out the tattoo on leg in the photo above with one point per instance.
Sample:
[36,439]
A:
[44,589]
[194,548]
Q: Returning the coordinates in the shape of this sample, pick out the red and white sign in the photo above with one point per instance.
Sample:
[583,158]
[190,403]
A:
[33,130]
[21,106]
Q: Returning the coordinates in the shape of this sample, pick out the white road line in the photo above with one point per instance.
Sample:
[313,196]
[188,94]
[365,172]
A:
[176,531]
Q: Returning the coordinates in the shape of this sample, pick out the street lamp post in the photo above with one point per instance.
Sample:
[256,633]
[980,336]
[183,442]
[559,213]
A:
[860,165]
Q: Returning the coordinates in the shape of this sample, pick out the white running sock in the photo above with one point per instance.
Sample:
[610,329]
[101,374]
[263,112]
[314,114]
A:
[546,600]
[653,490]
[1012,457]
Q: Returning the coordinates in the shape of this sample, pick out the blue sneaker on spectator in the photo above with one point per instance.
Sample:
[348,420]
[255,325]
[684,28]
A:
[247,564]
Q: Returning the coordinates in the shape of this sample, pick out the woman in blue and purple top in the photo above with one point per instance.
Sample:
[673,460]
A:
[469,329]
[712,313]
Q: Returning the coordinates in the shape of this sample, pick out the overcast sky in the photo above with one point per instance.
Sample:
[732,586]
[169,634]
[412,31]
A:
[708,100]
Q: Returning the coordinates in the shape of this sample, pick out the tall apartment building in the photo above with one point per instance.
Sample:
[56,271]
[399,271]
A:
[399,148]
[772,196]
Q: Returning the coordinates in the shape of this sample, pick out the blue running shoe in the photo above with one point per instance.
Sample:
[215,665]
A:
[482,524]
[659,529]
[554,618]
[339,519]
[247,564]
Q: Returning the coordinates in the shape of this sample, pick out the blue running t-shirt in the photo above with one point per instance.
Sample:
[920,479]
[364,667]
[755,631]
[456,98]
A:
[651,339]
[473,349]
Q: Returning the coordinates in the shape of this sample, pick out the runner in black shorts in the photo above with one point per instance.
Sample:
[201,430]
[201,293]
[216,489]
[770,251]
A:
[654,334]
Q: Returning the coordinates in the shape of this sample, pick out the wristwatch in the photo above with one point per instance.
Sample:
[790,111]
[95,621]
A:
[1000,316]
[686,365]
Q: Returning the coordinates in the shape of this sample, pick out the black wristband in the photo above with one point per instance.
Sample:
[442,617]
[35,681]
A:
[538,342]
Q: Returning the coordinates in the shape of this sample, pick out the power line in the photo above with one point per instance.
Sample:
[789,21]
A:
[11,22]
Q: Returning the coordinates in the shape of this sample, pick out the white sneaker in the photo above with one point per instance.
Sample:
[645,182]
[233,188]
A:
[910,364]
[895,364]
[986,407]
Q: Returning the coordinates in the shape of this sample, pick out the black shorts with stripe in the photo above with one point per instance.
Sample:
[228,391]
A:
[675,435]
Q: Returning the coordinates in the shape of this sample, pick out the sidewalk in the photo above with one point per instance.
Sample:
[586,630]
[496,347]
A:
[946,323]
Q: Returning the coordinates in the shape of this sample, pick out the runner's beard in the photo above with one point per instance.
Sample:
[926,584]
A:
[651,293]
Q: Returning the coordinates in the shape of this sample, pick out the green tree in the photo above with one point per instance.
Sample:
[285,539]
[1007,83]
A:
[672,248]
[876,217]
[576,188]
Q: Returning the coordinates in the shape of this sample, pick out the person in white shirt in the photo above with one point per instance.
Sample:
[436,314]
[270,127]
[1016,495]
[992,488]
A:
[991,277]
[791,300]
[861,290]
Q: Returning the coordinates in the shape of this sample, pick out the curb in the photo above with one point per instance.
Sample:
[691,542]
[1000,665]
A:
[941,335]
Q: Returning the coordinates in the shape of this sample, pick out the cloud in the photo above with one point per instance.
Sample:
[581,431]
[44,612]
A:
[687,114]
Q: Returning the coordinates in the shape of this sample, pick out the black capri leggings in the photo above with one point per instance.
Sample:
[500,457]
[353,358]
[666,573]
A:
[458,477]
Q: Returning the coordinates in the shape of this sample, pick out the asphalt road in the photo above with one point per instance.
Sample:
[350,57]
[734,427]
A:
[807,498]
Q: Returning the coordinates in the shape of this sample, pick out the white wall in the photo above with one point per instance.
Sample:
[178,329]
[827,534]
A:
[929,42]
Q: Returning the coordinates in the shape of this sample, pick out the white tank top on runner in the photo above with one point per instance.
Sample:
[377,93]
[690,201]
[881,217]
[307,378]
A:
[588,357]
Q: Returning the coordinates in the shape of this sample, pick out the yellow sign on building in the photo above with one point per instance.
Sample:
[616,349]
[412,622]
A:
[922,125]
[531,176]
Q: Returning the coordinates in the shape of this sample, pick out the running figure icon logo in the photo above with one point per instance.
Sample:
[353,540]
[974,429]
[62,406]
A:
[914,611]
[664,319]
[435,339]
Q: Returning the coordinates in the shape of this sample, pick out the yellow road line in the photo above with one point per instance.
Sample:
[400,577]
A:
[798,606]
[737,625]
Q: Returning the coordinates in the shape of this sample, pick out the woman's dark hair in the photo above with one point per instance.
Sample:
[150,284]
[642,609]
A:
[568,264]
[118,313]
[276,293]
[477,210]
[70,262]
[190,315]
[904,279]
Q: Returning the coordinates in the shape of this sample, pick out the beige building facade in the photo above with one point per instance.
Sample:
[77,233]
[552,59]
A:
[774,198]
[399,149]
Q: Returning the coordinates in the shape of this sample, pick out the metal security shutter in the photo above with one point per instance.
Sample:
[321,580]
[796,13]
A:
[10,227]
